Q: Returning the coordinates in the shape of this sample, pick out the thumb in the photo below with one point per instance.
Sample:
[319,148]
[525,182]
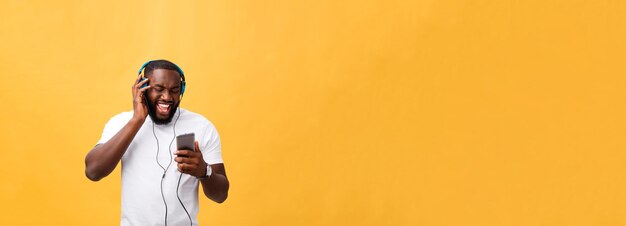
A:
[197,148]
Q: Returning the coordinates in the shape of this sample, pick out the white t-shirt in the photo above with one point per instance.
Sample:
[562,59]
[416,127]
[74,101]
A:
[142,200]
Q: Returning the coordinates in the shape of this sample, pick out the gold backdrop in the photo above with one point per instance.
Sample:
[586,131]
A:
[416,112]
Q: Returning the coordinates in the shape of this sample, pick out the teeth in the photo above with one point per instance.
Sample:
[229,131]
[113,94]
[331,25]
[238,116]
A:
[163,107]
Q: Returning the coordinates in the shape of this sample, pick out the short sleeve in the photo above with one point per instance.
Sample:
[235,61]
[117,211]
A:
[211,146]
[114,125]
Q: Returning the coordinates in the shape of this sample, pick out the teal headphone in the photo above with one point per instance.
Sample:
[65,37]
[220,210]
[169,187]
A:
[180,71]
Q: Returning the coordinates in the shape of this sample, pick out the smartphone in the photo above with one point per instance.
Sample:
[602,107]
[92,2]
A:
[186,142]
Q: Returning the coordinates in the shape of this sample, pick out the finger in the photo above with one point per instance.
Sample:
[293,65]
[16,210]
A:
[190,168]
[183,152]
[139,84]
[192,154]
[186,168]
[197,147]
[182,160]
[182,167]
[193,160]
[144,89]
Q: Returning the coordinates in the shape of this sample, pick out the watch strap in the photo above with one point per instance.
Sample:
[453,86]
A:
[208,173]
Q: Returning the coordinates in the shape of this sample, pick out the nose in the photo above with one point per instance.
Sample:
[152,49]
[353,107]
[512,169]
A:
[166,96]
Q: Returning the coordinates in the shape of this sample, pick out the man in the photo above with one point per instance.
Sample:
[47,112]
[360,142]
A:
[153,193]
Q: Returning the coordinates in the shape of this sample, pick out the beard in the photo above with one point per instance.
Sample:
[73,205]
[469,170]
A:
[152,112]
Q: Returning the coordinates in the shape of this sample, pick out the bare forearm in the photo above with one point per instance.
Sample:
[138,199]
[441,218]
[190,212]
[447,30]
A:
[216,186]
[103,159]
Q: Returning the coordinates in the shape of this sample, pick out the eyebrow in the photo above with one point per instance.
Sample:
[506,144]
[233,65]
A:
[162,86]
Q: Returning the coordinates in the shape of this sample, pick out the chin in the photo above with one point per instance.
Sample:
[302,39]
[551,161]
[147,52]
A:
[159,119]
[162,122]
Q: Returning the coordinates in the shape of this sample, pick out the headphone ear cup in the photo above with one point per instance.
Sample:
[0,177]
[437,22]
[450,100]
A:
[145,96]
[145,84]
[182,88]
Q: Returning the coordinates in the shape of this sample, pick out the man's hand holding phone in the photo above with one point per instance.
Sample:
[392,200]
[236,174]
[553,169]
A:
[189,157]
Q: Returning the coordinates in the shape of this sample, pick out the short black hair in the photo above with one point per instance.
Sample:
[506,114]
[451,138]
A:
[161,64]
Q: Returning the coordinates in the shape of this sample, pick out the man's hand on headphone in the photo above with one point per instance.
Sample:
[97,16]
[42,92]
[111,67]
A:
[140,109]
[191,162]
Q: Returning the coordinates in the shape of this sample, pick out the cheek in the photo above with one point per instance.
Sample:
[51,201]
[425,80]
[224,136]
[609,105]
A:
[152,95]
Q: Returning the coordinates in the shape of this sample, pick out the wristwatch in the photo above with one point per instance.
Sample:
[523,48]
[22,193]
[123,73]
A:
[209,171]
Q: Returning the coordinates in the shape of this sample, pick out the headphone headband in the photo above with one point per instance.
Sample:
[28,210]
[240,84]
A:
[182,74]
[180,71]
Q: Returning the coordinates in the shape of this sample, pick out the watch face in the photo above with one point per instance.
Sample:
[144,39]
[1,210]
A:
[208,170]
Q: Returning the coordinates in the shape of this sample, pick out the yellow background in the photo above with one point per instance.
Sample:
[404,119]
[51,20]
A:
[396,112]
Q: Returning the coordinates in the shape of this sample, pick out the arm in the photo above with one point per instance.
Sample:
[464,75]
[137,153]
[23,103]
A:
[215,187]
[103,158]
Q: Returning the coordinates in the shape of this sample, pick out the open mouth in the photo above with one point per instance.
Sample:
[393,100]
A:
[164,108]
